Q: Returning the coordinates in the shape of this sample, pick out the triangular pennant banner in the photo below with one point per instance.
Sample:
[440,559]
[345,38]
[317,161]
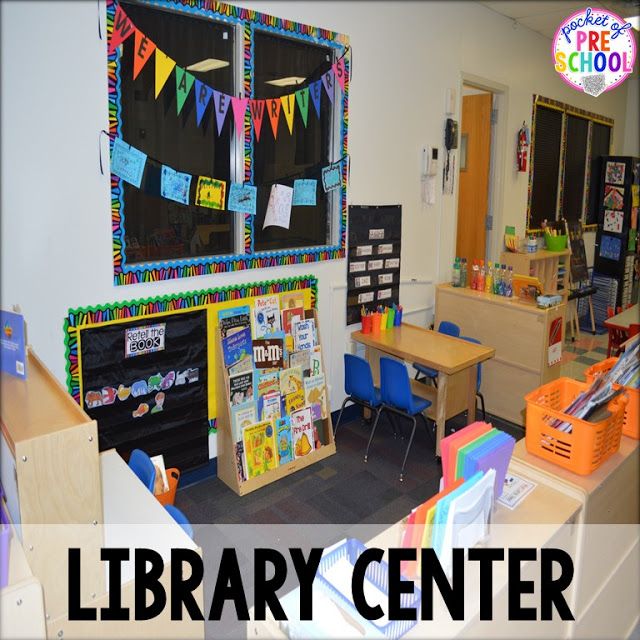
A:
[203,95]
[329,83]
[221,102]
[239,106]
[257,113]
[288,105]
[184,82]
[122,29]
[315,88]
[273,109]
[164,66]
[302,98]
[340,72]
[142,50]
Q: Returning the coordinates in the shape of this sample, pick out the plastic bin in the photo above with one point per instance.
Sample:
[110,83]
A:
[169,497]
[588,445]
[5,543]
[377,574]
[631,423]
[555,243]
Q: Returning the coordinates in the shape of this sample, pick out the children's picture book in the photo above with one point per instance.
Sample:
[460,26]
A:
[241,388]
[236,346]
[269,406]
[267,382]
[302,432]
[292,300]
[304,334]
[242,366]
[283,440]
[301,359]
[242,416]
[615,172]
[291,316]
[162,484]
[315,361]
[315,392]
[259,448]
[613,197]
[240,465]
[234,319]
[268,353]
[294,401]
[316,411]
[290,380]
[266,316]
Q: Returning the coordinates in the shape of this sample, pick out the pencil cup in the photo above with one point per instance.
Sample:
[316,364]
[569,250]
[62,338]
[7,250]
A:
[366,323]
[397,321]
[383,321]
[375,322]
[391,318]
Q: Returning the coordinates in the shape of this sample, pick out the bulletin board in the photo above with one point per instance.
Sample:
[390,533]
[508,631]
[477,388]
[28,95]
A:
[373,265]
[162,400]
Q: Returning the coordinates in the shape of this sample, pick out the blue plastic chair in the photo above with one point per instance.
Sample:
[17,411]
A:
[479,377]
[398,399]
[448,329]
[140,463]
[180,518]
[358,385]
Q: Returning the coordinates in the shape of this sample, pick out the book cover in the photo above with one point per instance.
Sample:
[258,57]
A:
[316,411]
[268,353]
[269,406]
[294,401]
[241,388]
[242,366]
[240,466]
[259,448]
[283,440]
[304,334]
[234,319]
[267,382]
[242,416]
[292,300]
[291,316]
[315,392]
[266,316]
[236,346]
[302,432]
[315,361]
[290,380]
[301,359]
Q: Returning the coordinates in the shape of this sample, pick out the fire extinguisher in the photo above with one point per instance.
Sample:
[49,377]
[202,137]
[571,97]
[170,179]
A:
[523,144]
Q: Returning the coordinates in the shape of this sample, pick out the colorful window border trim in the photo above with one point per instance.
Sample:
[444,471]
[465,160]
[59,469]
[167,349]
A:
[131,309]
[125,273]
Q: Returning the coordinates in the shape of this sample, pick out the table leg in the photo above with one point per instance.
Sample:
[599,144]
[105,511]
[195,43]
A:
[471,394]
[441,408]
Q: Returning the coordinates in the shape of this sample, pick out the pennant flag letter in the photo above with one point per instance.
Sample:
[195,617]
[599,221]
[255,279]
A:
[122,29]
[329,84]
[175,185]
[257,112]
[239,106]
[184,82]
[203,95]
[315,89]
[242,198]
[142,50]
[304,193]
[302,98]
[340,72]
[164,66]
[127,162]
[273,108]
[221,102]
[331,178]
[288,105]
[210,192]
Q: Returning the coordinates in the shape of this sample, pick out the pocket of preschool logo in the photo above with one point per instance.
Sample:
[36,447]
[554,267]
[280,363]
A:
[594,50]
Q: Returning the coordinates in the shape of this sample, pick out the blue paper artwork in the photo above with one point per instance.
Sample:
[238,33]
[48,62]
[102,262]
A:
[175,185]
[127,162]
[242,198]
[331,178]
[304,193]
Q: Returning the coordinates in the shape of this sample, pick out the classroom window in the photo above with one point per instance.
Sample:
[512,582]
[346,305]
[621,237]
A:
[566,147]
[283,65]
[158,229]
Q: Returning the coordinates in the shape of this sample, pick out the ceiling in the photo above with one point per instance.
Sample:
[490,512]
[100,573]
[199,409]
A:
[545,16]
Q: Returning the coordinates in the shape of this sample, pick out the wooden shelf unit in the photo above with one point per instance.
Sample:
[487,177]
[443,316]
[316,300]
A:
[227,469]
[550,267]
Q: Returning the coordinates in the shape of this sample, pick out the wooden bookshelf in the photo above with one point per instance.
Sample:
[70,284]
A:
[550,267]
[227,469]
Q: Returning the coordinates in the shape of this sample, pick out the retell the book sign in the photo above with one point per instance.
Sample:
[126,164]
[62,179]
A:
[594,50]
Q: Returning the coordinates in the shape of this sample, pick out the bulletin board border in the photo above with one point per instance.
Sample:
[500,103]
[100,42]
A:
[125,274]
[93,316]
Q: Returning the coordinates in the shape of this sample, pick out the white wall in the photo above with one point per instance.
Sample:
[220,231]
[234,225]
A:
[56,236]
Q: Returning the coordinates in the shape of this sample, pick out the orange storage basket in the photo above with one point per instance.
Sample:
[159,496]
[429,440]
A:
[169,497]
[588,445]
[631,424]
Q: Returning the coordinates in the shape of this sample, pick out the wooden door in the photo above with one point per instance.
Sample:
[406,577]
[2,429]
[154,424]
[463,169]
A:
[474,178]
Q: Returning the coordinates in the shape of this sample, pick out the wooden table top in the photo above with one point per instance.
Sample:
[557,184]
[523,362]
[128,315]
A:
[426,347]
[624,318]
